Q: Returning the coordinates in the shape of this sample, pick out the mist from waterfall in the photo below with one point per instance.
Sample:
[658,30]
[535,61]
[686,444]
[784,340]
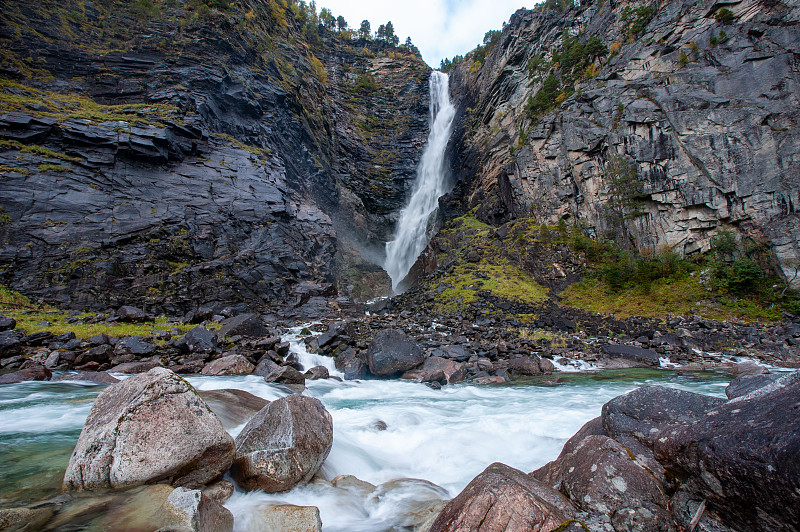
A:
[412,233]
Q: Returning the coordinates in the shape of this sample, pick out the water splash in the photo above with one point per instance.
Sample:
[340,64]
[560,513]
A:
[412,231]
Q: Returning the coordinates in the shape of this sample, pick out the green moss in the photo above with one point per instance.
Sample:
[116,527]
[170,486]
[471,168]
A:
[54,168]
[41,151]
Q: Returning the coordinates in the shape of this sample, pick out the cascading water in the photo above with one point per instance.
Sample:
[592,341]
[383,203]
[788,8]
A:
[411,234]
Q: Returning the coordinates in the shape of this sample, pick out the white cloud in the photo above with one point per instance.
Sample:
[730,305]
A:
[440,28]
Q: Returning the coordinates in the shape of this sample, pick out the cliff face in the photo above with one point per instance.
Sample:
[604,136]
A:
[169,155]
[685,126]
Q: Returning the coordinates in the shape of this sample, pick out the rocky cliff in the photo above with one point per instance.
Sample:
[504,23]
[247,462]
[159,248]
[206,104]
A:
[169,154]
[660,124]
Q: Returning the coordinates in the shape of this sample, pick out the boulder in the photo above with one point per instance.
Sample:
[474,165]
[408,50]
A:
[219,491]
[284,445]
[354,484]
[95,377]
[455,352]
[233,407]
[289,376]
[643,413]
[38,373]
[248,325]
[504,499]
[391,352]
[10,344]
[162,507]
[201,340]
[526,365]
[266,365]
[6,324]
[149,428]
[24,519]
[99,353]
[316,373]
[349,363]
[134,345]
[602,478]
[285,518]
[741,457]
[229,365]
[129,313]
[438,369]
[744,384]
[631,356]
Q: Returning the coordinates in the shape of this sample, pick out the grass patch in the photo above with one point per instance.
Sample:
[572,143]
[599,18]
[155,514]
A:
[506,282]
[29,315]
[16,97]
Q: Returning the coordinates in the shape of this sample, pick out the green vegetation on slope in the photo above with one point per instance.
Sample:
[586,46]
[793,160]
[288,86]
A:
[35,318]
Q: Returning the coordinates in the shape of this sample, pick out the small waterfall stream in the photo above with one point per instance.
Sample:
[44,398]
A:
[412,231]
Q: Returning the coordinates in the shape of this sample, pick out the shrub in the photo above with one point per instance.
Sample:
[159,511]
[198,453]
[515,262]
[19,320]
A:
[724,15]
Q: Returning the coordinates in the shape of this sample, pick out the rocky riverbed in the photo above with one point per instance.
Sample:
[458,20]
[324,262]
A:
[654,459]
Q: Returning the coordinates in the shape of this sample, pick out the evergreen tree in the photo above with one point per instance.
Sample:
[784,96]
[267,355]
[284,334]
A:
[365,31]
[341,23]
[391,38]
[381,33]
[327,19]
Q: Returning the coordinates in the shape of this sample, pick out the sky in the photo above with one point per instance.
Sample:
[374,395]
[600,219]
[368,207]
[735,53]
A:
[439,28]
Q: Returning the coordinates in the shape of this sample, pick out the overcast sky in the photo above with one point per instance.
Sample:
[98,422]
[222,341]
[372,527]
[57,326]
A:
[439,28]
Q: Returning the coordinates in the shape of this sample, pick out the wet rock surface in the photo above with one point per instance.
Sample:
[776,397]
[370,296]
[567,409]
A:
[283,445]
[147,429]
[504,499]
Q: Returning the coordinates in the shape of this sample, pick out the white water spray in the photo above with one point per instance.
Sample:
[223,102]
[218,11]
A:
[412,232]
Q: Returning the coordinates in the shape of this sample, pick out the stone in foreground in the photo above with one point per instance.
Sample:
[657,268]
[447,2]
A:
[149,428]
[286,518]
[284,445]
[162,507]
[504,499]
[742,457]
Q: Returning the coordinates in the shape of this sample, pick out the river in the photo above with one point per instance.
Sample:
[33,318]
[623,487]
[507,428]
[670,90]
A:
[444,436]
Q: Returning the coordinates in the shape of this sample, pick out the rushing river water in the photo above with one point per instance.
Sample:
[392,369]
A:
[444,436]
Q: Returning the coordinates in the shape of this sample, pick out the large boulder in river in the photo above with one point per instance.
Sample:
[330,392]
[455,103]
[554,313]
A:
[391,352]
[742,457]
[284,445]
[504,499]
[149,428]
[626,356]
[602,478]
[643,413]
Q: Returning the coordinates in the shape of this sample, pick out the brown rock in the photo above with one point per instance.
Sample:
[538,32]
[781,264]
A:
[162,507]
[96,377]
[136,367]
[438,369]
[38,373]
[504,499]
[24,519]
[229,365]
[285,518]
[284,445]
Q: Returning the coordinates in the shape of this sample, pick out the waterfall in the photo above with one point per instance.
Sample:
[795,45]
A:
[412,232]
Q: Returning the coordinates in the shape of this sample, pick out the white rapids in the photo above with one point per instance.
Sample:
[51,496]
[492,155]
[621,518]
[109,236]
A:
[445,437]
[412,232]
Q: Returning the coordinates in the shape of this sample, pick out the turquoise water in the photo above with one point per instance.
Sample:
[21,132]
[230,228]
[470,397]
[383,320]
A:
[444,436]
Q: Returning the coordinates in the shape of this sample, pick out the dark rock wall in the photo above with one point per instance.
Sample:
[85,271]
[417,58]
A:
[174,158]
[712,138]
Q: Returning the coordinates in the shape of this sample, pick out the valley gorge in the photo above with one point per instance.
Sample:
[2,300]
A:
[263,271]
